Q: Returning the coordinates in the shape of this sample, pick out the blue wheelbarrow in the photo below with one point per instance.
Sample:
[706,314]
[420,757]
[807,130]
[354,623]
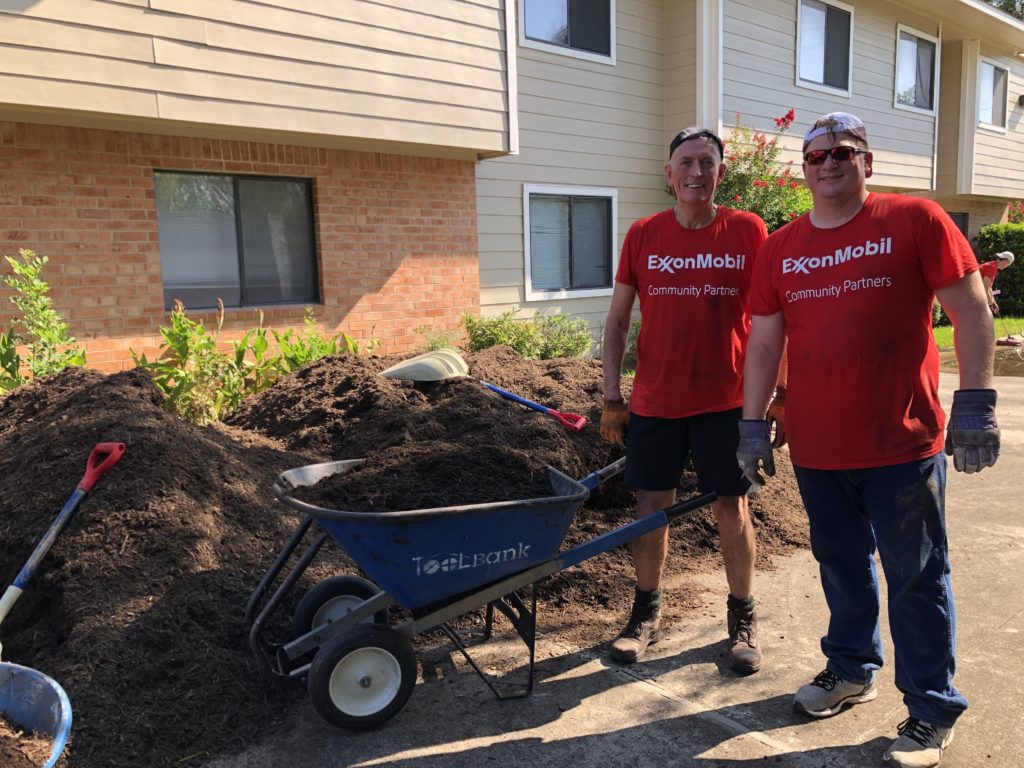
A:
[35,702]
[438,564]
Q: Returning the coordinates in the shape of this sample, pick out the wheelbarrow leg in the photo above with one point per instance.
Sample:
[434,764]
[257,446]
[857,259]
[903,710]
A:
[524,620]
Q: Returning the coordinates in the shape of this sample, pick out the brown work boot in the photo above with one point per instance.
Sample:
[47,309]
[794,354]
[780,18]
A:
[744,649]
[641,630]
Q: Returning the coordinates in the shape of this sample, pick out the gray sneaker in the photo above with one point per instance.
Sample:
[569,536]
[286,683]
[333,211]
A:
[920,744]
[828,694]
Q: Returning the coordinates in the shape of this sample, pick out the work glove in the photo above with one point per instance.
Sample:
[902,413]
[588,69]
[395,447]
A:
[777,417]
[614,420]
[972,435]
[755,451]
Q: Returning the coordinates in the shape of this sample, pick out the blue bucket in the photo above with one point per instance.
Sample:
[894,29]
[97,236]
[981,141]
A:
[35,702]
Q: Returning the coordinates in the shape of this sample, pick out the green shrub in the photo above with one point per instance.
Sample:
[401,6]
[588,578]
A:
[435,340]
[199,382]
[541,336]
[311,344]
[49,345]
[1010,283]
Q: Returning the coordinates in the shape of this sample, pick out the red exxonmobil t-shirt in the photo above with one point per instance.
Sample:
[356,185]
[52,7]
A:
[693,286]
[856,300]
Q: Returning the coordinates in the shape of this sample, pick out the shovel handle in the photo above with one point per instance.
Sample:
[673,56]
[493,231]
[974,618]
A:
[102,458]
[568,420]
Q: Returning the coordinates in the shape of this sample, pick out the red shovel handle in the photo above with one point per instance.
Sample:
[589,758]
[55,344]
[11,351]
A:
[102,458]
[569,420]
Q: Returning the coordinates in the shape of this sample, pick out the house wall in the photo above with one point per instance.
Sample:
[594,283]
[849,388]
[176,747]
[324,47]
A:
[581,123]
[680,67]
[759,81]
[429,77]
[999,155]
[950,84]
[396,235]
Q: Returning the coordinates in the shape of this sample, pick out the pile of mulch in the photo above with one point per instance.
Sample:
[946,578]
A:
[138,610]
[19,749]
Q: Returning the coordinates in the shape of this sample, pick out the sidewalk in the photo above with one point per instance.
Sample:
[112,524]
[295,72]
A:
[684,708]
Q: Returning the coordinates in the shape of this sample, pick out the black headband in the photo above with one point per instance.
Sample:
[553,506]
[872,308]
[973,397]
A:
[696,133]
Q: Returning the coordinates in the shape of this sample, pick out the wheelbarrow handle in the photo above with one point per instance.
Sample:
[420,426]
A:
[569,420]
[598,476]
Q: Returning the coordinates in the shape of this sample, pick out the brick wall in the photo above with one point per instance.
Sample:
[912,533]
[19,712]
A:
[396,235]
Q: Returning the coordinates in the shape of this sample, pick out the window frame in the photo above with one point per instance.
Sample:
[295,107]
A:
[563,50]
[896,103]
[994,127]
[810,84]
[541,294]
[317,297]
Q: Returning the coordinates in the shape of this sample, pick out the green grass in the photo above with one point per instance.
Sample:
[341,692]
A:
[1004,326]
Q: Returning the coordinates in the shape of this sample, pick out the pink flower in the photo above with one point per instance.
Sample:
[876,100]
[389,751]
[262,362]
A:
[736,198]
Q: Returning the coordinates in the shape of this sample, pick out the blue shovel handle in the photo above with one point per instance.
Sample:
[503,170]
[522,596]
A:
[568,420]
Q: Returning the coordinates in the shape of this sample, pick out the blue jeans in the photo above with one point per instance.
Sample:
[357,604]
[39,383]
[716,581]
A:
[900,510]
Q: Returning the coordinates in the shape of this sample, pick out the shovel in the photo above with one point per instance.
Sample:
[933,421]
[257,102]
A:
[448,364]
[102,458]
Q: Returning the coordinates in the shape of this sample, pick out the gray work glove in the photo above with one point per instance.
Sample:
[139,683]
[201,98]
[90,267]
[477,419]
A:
[972,435]
[755,450]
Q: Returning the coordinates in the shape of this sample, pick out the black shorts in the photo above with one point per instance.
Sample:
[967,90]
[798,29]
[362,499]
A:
[657,450]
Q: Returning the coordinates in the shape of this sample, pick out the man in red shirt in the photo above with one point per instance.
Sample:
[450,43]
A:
[988,272]
[849,288]
[690,266]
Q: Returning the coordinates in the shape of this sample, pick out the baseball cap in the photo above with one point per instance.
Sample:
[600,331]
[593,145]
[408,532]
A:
[836,122]
[1006,256]
[696,133]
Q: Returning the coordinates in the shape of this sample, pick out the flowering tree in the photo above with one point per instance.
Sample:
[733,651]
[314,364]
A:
[1016,212]
[756,181]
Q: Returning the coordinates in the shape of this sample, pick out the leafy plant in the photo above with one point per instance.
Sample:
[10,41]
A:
[10,364]
[756,181]
[49,345]
[541,336]
[201,384]
[434,339]
[311,344]
[485,332]
[564,336]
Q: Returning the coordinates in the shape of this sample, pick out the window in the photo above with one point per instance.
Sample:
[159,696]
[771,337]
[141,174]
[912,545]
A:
[915,69]
[824,41]
[992,94]
[570,236]
[961,220]
[584,28]
[246,240]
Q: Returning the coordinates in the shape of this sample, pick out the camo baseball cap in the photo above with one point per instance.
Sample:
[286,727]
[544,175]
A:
[836,122]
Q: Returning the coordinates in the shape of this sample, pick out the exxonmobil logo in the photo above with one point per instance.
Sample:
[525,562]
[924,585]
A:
[672,264]
[804,264]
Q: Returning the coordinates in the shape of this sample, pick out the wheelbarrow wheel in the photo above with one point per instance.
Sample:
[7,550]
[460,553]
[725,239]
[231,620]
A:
[363,677]
[333,598]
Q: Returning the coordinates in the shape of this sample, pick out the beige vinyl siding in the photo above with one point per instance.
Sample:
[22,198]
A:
[999,156]
[680,67]
[759,82]
[431,78]
[581,124]
[949,117]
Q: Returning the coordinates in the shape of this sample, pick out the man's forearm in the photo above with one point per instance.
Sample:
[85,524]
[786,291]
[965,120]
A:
[974,340]
[612,354]
[761,370]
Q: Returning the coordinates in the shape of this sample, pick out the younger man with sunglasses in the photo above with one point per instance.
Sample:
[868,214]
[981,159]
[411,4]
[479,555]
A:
[850,287]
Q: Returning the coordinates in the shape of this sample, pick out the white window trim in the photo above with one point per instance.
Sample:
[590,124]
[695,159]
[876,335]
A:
[809,84]
[561,50]
[548,189]
[993,127]
[935,75]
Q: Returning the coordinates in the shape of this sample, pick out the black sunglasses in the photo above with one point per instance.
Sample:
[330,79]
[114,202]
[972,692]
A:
[839,154]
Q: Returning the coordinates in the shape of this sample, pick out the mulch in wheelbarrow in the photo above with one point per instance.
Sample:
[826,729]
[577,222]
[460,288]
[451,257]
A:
[138,609]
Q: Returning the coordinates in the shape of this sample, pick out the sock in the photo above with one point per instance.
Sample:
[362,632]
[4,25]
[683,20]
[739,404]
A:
[746,605]
[650,599]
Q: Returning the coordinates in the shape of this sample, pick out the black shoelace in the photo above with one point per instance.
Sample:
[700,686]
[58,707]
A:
[826,680]
[744,630]
[912,728]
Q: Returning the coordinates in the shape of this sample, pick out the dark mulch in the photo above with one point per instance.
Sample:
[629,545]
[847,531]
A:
[138,610]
